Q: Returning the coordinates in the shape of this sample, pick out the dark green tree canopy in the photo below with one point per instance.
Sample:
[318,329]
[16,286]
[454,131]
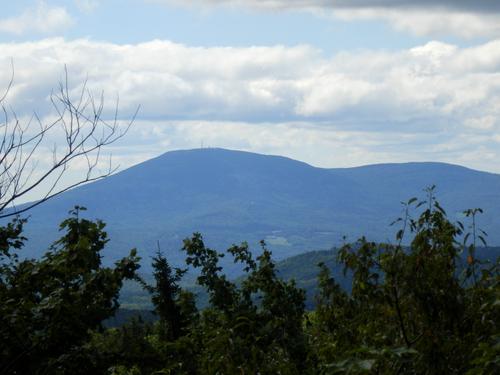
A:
[429,307]
[49,306]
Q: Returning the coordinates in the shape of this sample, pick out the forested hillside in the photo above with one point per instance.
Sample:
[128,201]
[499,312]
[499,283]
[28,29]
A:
[430,307]
[303,269]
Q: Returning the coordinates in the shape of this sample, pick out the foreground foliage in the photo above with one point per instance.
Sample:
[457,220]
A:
[416,309]
[50,307]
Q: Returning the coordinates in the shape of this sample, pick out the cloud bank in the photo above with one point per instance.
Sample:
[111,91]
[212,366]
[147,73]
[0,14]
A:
[422,87]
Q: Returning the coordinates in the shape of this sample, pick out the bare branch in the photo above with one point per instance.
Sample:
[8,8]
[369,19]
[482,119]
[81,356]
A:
[83,131]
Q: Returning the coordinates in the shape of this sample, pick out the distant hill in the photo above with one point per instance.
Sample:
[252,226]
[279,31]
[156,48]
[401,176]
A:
[302,268]
[233,196]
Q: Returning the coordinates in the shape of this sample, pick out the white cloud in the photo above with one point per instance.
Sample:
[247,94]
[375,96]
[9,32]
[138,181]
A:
[41,18]
[436,101]
[481,123]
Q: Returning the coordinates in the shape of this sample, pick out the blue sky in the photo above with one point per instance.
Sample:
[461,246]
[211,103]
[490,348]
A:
[135,21]
[334,83]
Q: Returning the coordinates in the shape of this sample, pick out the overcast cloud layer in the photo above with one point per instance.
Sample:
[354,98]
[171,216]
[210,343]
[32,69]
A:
[467,5]
[462,18]
[432,102]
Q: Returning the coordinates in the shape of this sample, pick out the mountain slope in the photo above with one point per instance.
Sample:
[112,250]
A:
[232,196]
[303,268]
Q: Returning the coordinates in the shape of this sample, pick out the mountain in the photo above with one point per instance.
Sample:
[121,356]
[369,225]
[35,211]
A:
[233,196]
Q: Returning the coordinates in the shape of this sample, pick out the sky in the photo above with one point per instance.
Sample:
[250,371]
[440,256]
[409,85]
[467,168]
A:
[333,83]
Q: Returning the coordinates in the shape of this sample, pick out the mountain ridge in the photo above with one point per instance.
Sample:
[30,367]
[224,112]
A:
[232,196]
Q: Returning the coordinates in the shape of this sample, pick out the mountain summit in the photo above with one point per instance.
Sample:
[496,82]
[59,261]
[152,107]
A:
[233,196]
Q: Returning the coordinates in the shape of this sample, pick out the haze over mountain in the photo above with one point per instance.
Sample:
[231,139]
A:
[233,196]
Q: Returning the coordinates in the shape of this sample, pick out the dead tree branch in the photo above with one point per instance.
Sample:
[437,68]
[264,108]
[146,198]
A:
[81,132]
